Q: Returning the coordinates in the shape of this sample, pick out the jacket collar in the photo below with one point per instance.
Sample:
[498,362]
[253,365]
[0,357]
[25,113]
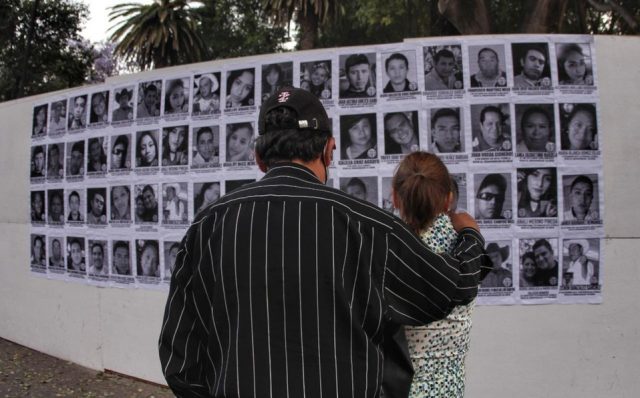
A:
[290,169]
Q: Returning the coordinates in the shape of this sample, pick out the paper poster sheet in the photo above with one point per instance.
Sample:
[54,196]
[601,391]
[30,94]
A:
[118,172]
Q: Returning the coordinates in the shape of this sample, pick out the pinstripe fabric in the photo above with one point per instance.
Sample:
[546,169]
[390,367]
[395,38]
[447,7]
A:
[285,287]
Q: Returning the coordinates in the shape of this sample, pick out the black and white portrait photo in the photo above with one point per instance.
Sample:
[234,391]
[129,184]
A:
[358,136]
[38,251]
[446,128]
[98,257]
[443,67]
[240,139]
[240,88]
[358,75]
[55,206]
[75,206]
[537,192]
[75,159]
[487,66]
[96,206]
[120,152]
[147,258]
[58,118]
[501,274]
[171,249]
[121,258]
[205,194]
[205,143]
[315,77]
[147,148]
[175,146]
[400,72]
[274,77]
[56,252]
[539,263]
[38,161]
[120,203]
[55,161]
[122,105]
[535,128]
[97,155]
[99,113]
[493,196]
[581,198]
[39,124]
[578,127]
[580,262]
[491,128]
[365,188]
[38,213]
[146,203]
[77,113]
[531,65]
[76,255]
[401,133]
[149,95]
[206,94]
[176,97]
[574,64]
[175,203]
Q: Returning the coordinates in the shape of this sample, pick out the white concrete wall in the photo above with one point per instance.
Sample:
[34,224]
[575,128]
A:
[526,351]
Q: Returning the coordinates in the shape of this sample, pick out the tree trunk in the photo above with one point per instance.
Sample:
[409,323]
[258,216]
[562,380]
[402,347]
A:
[543,16]
[308,22]
[468,19]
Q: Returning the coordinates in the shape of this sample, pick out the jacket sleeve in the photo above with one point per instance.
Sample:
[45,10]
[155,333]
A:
[181,333]
[421,286]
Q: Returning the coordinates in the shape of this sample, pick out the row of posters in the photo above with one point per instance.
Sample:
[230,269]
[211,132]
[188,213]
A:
[516,120]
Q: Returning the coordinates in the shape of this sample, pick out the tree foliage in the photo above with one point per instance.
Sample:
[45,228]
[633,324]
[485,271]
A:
[236,28]
[35,55]
[160,34]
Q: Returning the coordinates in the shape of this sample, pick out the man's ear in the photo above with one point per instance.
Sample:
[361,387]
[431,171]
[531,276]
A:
[328,151]
[261,165]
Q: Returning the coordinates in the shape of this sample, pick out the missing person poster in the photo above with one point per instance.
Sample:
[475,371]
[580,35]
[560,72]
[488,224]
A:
[119,171]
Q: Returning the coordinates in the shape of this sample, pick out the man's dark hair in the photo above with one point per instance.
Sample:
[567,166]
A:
[285,143]
[582,179]
[120,244]
[388,116]
[484,49]
[531,111]
[74,193]
[78,147]
[148,188]
[398,56]
[497,180]
[357,182]
[542,242]
[444,53]
[493,109]
[355,59]
[202,131]
[534,47]
[443,112]
[150,87]
[96,244]
[38,149]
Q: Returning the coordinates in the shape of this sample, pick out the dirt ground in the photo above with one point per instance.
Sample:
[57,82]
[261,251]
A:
[28,373]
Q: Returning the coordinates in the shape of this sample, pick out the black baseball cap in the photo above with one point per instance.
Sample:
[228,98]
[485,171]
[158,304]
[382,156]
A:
[308,109]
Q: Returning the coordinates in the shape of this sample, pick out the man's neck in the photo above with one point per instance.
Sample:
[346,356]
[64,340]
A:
[316,167]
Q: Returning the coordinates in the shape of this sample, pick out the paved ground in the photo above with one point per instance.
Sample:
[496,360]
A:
[28,373]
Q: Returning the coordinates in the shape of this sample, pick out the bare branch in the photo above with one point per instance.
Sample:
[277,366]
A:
[611,6]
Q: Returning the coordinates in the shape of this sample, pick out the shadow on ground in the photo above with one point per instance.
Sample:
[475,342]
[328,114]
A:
[28,373]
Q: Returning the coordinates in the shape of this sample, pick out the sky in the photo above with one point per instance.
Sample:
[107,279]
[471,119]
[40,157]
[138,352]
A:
[96,28]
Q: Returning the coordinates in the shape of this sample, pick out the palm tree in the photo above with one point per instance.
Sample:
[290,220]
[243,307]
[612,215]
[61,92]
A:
[156,35]
[309,14]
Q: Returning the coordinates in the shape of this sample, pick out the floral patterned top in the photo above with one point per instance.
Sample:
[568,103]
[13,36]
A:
[438,350]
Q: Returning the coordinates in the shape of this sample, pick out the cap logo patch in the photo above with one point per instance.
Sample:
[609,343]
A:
[284,96]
